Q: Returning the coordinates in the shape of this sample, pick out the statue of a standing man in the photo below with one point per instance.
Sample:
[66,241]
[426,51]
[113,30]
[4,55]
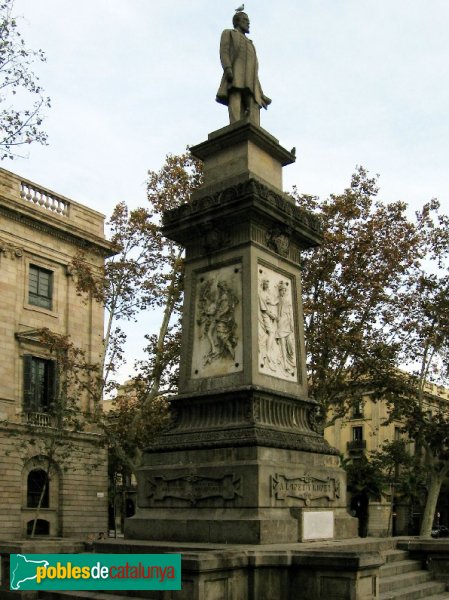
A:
[240,88]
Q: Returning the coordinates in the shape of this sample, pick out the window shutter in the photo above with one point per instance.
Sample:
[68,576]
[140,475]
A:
[27,383]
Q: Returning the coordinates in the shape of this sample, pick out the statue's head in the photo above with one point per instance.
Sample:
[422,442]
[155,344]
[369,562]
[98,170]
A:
[241,21]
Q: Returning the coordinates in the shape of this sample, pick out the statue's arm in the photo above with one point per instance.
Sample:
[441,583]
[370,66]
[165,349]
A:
[226,53]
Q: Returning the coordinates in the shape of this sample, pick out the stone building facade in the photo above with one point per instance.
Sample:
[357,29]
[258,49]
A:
[40,233]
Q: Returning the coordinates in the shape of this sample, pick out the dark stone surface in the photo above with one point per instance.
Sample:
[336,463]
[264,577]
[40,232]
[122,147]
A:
[250,200]
[273,572]
[243,417]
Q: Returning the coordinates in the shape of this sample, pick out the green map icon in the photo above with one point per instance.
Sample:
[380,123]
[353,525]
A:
[23,569]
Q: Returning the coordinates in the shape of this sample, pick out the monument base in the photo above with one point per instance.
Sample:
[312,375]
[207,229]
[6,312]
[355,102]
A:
[251,495]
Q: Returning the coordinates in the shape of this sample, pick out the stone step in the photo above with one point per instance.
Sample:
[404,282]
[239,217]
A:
[404,580]
[444,596]
[395,555]
[427,591]
[398,567]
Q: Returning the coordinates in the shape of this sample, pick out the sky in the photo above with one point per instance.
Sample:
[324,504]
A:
[353,82]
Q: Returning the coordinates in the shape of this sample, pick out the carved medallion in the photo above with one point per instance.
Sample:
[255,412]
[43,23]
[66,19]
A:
[212,237]
[279,241]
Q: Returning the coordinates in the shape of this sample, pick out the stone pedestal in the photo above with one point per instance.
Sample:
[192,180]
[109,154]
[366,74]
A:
[243,462]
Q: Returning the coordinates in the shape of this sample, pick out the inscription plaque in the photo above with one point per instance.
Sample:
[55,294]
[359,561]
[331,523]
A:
[305,488]
[193,488]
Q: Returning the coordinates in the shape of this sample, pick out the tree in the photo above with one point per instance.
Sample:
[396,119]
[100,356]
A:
[146,273]
[402,473]
[355,287]
[22,97]
[391,471]
[425,415]
[375,299]
[365,481]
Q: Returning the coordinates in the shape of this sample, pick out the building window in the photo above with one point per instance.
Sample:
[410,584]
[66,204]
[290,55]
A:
[397,433]
[37,482]
[42,527]
[357,409]
[40,287]
[39,383]
[357,434]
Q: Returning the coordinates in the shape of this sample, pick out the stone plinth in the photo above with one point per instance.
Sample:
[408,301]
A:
[244,462]
[249,494]
[238,153]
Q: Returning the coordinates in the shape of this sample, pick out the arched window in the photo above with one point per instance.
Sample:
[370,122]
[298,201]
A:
[42,527]
[36,482]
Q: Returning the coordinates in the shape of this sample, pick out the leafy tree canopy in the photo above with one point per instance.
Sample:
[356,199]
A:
[22,98]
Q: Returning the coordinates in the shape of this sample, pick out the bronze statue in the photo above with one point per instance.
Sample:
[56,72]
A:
[240,88]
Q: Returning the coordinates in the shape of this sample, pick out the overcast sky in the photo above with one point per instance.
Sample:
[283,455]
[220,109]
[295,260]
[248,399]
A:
[353,82]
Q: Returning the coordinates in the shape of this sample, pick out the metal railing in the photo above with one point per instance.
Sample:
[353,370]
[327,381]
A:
[356,445]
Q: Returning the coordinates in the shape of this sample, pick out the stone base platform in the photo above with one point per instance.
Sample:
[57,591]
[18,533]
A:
[333,570]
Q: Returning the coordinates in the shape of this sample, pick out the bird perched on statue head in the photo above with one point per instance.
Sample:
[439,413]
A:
[240,8]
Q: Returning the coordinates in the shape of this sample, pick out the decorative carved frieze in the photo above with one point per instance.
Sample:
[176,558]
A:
[250,187]
[243,418]
[306,487]
[193,488]
[234,410]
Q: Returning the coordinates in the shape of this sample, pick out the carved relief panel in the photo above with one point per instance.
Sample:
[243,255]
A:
[217,348]
[276,325]
[307,487]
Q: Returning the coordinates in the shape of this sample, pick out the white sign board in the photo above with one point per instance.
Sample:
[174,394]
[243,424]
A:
[317,525]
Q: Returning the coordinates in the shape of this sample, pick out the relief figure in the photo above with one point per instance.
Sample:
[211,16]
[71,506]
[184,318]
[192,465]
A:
[276,330]
[216,308]
[267,325]
[285,330]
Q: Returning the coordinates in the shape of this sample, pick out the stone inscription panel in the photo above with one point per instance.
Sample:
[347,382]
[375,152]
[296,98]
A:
[306,488]
[276,333]
[217,333]
[193,488]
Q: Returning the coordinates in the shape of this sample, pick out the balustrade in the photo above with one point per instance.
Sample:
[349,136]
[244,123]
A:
[44,199]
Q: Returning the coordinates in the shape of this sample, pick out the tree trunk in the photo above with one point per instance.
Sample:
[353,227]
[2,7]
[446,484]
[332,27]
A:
[431,503]
[39,506]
